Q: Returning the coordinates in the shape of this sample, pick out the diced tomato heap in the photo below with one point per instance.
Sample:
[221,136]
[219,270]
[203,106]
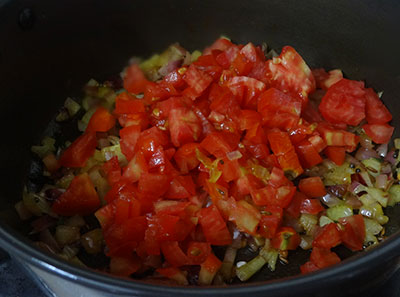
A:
[212,145]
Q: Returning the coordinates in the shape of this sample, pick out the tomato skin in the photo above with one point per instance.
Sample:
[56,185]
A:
[79,151]
[337,137]
[311,206]
[286,239]
[268,225]
[181,187]
[153,184]
[269,195]
[328,237]
[214,227]
[379,133]
[129,136]
[353,234]
[80,198]
[336,154]
[295,205]
[184,125]
[220,44]
[247,89]
[376,111]
[134,81]
[322,257]
[112,170]
[344,102]
[313,187]
[307,154]
[325,79]
[151,139]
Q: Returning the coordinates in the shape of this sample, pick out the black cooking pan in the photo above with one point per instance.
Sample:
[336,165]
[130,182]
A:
[49,49]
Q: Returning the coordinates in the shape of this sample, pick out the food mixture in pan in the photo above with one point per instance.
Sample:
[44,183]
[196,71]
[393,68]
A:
[235,147]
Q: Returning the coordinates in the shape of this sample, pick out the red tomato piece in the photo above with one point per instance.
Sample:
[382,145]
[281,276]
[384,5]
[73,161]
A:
[317,142]
[149,140]
[181,187]
[376,111]
[214,226]
[268,225]
[210,266]
[170,207]
[284,151]
[286,239]
[325,79]
[220,143]
[121,189]
[289,72]
[79,199]
[220,44]
[295,205]
[307,154]
[344,102]
[126,209]
[323,257]
[129,136]
[134,80]
[127,104]
[311,206]
[327,237]
[101,121]
[336,154]
[106,215]
[248,119]
[135,168]
[197,80]
[198,252]
[335,137]
[308,267]
[174,254]
[185,157]
[248,183]
[112,170]
[269,195]
[184,126]
[353,234]
[153,184]
[251,88]
[79,151]
[312,186]
[379,133]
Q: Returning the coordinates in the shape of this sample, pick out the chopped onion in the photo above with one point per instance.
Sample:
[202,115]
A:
[386,168]
[46,237]
[365,141]
[365,153]
[354,186]
[234,155]
[338,190]
[23,212]
[42,223]
[366,178]
[390,158]
[330,200]
[382,150]
[66,234]
[380,181]
[353,201]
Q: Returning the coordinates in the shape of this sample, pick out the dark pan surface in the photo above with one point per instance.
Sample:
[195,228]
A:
[48,51]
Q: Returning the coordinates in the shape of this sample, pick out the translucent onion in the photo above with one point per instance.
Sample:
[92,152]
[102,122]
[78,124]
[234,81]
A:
[330,200]
[380,181]
[235,155]
[365,153]
[382,150]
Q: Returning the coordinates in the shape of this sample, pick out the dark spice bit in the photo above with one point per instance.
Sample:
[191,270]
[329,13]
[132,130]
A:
[398,165]
[221,192]
[396,153]
[221,162]
[358,170]
[352,165]
[395,174]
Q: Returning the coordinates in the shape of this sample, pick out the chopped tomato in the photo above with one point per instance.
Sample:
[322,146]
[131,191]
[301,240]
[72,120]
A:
[181,187]
[325,79]
[127,104]
[198,252]
[379,133]
[328,237]
[336,137]
[286,239]
[174,254]
[336,154]
[184,126]
[101,121]
[376,111]
[112,170]
[308,267]
[246,88]
[312,186]
[269,195]
[185,157]
[284,151]
[134,81]
[220,143]
[79,151]
[344,102]
[214,226]
[79,199]
[153,184]
[323,257]
[311,206]
[197,80]
[289,72]
[220,44]
[279,109]
[307,154]
[296,204]
[129,136]
[353,233]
